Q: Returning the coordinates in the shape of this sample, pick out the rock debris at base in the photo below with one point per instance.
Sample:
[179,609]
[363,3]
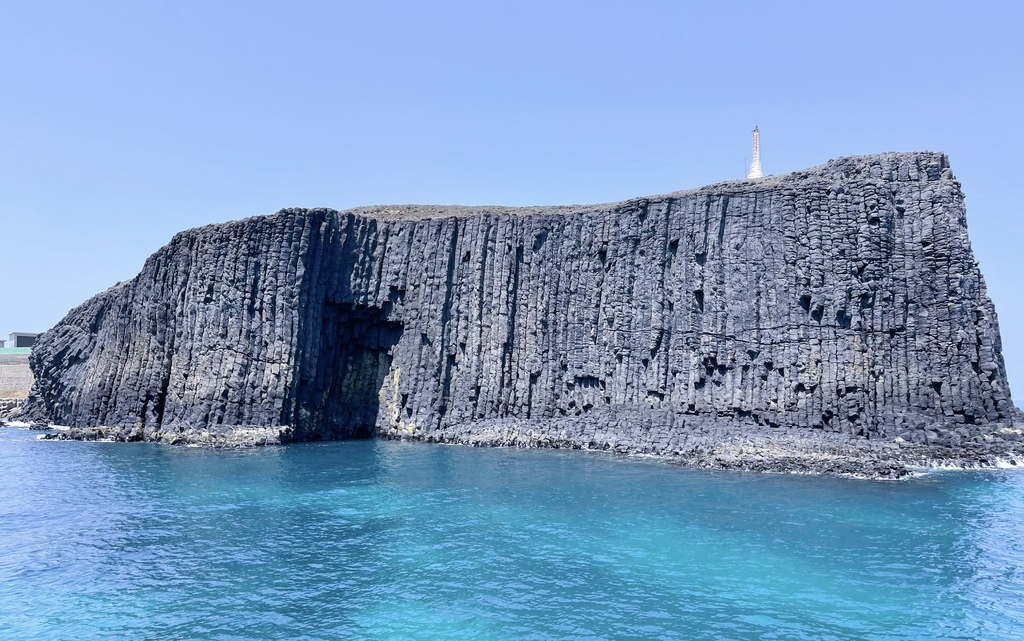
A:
[830,314]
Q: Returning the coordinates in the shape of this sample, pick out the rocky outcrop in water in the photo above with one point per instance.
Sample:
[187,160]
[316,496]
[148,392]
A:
[838,309]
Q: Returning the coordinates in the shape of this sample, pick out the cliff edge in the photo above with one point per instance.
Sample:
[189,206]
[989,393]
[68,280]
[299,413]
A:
[831,320]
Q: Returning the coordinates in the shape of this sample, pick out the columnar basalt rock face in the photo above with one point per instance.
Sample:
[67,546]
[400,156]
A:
[836,303]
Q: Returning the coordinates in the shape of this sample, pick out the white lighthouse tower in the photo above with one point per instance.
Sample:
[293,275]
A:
[755,166]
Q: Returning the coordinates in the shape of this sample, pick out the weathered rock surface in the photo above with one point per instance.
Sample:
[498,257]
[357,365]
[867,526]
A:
[830,312]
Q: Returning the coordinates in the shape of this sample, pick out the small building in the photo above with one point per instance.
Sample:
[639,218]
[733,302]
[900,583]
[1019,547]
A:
[19,339]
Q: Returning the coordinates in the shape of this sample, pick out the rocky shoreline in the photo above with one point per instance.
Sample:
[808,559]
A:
[780,451]
[215,436]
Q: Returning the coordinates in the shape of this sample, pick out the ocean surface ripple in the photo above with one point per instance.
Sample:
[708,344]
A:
[387,540]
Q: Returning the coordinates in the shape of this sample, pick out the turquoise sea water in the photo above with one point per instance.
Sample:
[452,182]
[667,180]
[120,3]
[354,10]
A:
[384,540]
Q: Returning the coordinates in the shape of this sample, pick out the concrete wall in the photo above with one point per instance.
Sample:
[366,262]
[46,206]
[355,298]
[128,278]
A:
[15,376]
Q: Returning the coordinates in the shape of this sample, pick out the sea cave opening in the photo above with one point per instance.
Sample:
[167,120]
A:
[339,394]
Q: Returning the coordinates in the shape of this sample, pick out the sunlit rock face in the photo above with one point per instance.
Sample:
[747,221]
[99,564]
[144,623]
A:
[842,302]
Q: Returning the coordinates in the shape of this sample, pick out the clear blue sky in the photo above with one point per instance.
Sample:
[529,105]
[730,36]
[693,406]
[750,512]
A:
[122,123]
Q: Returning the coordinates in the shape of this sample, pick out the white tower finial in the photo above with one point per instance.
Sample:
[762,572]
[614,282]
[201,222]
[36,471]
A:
[755,167]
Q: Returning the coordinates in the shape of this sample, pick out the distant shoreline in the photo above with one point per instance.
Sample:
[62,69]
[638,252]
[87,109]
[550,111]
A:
[15,380]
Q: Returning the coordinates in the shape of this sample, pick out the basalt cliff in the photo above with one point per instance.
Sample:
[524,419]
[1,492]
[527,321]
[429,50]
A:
[832,320]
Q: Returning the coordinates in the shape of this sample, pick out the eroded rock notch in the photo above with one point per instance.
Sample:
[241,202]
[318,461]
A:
[341,377]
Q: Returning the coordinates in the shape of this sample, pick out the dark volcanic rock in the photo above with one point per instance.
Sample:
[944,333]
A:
[826,314]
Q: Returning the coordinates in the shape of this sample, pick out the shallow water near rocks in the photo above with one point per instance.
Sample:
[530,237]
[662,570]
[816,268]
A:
[387,540]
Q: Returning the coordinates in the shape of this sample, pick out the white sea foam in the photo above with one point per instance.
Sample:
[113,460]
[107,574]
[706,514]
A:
[1008,464]
[998,463]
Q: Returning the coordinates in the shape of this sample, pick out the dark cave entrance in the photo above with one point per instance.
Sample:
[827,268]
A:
[341,398]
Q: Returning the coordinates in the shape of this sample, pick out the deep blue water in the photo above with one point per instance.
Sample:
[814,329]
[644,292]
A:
[383,540]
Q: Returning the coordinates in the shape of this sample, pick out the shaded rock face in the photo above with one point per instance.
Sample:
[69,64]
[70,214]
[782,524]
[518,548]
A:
[839,301]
